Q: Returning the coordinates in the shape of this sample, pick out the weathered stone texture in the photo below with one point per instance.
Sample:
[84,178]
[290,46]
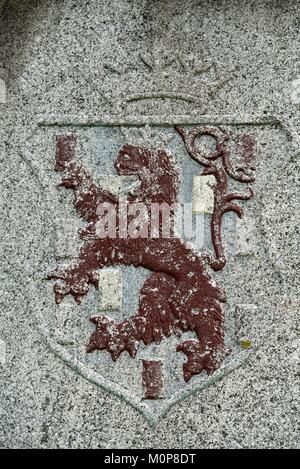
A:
[80,62]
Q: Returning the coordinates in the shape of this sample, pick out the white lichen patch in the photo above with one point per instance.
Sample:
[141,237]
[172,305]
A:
[2,91]
[203,194]
[110,286]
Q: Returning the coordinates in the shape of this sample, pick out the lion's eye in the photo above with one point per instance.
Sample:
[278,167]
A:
[126,157]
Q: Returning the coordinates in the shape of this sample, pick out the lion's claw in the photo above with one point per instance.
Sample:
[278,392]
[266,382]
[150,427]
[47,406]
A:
[72,281]
[201,358]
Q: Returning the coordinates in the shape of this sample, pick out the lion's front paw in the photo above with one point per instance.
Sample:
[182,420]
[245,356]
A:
[201,358]
[112,337]
[107,336]
[72,281]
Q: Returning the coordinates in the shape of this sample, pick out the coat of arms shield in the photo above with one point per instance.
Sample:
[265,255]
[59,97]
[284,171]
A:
[147,221]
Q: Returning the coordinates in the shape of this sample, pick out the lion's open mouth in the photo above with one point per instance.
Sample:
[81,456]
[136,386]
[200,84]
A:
[130,185]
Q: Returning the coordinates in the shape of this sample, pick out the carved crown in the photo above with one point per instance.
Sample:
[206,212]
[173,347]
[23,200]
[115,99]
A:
[165,75]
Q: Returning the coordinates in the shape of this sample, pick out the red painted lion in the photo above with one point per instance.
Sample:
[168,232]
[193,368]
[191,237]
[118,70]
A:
[178,296]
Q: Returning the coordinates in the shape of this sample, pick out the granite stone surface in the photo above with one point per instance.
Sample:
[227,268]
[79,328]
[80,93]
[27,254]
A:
[126,71]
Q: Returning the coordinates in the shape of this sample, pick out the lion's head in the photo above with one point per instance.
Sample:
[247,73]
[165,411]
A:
[156,169]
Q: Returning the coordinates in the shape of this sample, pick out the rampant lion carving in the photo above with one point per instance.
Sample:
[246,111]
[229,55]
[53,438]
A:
[180,294]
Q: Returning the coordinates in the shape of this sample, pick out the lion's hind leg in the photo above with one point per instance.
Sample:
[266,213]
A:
[200,358]
[209,350]
[153,321]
